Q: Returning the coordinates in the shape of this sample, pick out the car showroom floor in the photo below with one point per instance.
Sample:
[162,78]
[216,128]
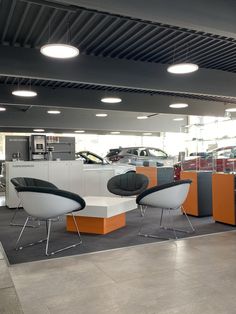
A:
[193,275]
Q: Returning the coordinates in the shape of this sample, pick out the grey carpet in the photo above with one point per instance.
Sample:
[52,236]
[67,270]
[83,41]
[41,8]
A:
[124,237]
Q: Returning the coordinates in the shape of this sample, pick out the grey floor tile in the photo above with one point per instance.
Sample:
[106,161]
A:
[195,275]
[9,303]
[5,278]
[1,252]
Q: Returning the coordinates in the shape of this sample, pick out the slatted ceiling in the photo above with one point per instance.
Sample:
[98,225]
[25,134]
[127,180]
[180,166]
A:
[57,84]
[26,24]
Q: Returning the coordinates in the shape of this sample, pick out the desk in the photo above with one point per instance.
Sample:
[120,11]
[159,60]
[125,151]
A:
[102,214]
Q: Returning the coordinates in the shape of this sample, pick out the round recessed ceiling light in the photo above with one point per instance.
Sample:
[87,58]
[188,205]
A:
[59,51]
[24,93]
[53,111]
[178,119]
[182,68]
[231,110]
[38,130]
[142,117]
[115,132]
[101,115]
[2,109]
[111,100]
[147,133]
[79,131]
[178,105]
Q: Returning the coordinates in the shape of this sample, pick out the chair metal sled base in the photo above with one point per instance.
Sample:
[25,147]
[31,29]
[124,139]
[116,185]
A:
[156,236]
[48,229]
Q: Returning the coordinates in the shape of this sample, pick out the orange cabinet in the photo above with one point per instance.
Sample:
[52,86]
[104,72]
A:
[223,196]
[157,175]
[199,200]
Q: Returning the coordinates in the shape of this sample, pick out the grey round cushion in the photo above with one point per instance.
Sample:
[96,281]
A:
[128,184]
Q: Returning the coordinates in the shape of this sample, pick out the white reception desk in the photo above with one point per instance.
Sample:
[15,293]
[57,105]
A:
[73,176]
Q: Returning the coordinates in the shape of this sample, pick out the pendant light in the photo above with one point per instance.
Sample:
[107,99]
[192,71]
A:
[25,91]
[111,100]
[184,67]
[178,105]
[60,50]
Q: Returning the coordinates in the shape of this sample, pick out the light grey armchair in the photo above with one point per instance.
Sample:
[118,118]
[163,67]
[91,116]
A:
[166,197]
[47,204]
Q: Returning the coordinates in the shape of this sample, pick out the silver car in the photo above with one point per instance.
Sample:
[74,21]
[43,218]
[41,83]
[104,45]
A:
[140,156]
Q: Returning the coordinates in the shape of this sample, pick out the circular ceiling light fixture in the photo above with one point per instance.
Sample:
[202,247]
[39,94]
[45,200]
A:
[59,51]
[53,111]
[2,109]
[178,119]
[24,93]
[101,115]
[182,68]
[38,130]
[147,133]
[178,105]
[79,131]
[115,132]
[111,100]
[142,117]
[231,109]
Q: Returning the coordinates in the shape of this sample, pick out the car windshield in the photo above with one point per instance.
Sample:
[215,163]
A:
[157,153]
[92,158]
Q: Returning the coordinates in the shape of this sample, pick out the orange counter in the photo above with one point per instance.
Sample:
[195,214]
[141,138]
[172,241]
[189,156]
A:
[157,175]
[199,200]
[223,198]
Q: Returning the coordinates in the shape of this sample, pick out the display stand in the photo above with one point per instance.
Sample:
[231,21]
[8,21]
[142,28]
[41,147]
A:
[223,197]
[157,175]
[199,200]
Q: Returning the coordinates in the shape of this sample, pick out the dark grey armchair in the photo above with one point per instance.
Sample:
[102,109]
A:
[128,184]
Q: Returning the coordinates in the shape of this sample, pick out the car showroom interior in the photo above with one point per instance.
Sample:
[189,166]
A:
[117,157]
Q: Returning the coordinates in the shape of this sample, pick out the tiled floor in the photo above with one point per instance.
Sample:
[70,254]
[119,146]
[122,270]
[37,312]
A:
[9,303]
[192,276]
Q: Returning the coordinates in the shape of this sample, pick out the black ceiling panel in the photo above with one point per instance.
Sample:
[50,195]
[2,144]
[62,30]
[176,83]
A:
[7,80]
[30,24]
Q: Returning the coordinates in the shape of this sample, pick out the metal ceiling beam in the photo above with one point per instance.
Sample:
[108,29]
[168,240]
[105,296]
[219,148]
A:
[29,63]
[213,16]
[90,99]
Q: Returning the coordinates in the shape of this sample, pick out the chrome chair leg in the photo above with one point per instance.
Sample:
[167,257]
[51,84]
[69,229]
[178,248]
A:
[67,247]
[22,230]
[191,226]
[142,210]
[47,239]
[172,224]
[174,230]
[21,233]
[147,235]
[12,223]
[161,217]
